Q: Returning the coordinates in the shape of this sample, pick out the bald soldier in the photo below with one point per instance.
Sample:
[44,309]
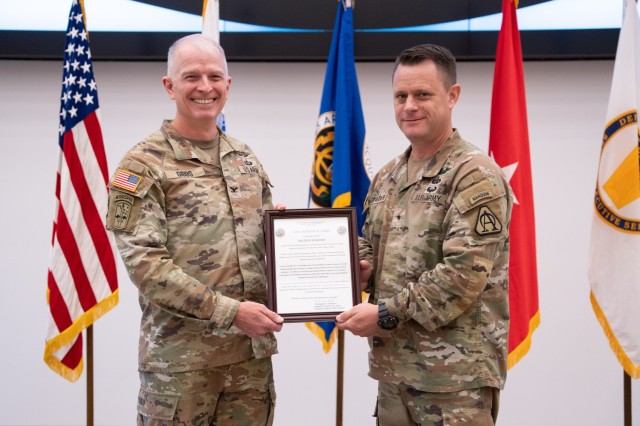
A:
[186,207]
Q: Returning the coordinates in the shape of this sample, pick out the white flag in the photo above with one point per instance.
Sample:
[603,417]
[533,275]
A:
[210,18]
[615,235]
[211,28]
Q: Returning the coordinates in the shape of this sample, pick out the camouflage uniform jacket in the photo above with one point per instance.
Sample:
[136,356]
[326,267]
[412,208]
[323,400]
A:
[190,235]
[439,245]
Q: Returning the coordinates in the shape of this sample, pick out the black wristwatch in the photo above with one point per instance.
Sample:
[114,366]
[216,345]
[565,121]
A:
[386,321]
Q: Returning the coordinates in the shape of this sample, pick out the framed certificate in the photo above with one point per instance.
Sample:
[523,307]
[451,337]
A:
[312,263]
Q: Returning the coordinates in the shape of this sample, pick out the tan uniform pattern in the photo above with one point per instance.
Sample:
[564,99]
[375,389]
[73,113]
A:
[438,242]
[240,394]
[190,235]
[405,406]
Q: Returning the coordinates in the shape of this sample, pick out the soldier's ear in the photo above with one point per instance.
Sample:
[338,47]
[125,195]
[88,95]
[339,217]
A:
[168,86]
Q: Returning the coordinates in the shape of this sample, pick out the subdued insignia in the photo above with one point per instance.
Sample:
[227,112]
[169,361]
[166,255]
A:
[487,222]
[249,169]
[123,204]
[377,198]
[426,198]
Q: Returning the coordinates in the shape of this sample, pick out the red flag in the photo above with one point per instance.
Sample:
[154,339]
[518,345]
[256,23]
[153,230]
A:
[82,282]
[509,146]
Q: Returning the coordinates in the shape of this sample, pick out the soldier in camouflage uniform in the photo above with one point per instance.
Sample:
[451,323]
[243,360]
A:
[186,207]
[434,255]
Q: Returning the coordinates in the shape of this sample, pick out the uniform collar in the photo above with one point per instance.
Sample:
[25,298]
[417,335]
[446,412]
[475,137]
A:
[183,149]
[435,163]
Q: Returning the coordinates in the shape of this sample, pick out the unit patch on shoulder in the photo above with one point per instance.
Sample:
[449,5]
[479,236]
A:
[487,222]
[126,180]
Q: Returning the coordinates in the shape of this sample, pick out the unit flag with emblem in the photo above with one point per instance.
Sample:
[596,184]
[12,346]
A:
[615,232]
[340,173]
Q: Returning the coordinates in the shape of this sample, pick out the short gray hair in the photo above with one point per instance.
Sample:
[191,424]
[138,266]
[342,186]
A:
[201,41]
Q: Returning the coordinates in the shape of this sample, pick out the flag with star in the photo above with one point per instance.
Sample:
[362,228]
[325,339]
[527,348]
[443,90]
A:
[82,282]
[509,146]
[340,177]
[615,231]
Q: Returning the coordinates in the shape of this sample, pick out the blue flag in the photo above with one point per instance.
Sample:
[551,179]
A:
[339,176]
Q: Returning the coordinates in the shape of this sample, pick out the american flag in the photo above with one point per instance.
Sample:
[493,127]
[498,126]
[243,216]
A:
[82,281]
[126,180]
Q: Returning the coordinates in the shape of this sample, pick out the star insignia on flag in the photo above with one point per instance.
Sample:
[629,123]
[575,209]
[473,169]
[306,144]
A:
[509,171]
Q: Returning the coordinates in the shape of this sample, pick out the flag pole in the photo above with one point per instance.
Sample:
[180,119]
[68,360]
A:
[339,379]
[90,375]
[627,396]
[626,385]
[627,390]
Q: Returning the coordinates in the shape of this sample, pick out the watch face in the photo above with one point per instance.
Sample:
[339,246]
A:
[388,322]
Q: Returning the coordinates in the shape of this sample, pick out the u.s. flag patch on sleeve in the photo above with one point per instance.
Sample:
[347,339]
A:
[125,180]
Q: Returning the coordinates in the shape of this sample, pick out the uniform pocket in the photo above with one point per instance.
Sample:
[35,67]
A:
[156,409]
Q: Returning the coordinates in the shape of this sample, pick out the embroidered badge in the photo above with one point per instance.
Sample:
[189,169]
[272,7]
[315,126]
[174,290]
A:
[481,196]
[123,204]
[487,222]
[427,198]
[249,169]
[377,199]
[125,180]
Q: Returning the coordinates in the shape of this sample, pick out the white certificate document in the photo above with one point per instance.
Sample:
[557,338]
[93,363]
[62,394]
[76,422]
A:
[312,264]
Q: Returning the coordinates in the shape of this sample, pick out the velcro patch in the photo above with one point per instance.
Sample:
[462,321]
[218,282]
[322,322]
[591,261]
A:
[123,212]
[477,194]
[377,198]
[487,222]
[126,180]
[249,169]
[186,173]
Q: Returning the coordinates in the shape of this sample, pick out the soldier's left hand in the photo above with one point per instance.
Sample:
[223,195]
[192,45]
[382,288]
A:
[361,320]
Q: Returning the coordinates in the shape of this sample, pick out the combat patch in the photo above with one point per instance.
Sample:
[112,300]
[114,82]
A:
[487,222]
[122,214]
[126,180]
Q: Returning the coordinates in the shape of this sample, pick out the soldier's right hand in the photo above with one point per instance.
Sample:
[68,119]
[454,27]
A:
[255,319]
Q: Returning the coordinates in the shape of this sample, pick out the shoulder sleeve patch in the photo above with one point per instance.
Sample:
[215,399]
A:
[487,222]
[123,212]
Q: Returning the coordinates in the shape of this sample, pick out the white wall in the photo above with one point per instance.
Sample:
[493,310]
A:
[570,376]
